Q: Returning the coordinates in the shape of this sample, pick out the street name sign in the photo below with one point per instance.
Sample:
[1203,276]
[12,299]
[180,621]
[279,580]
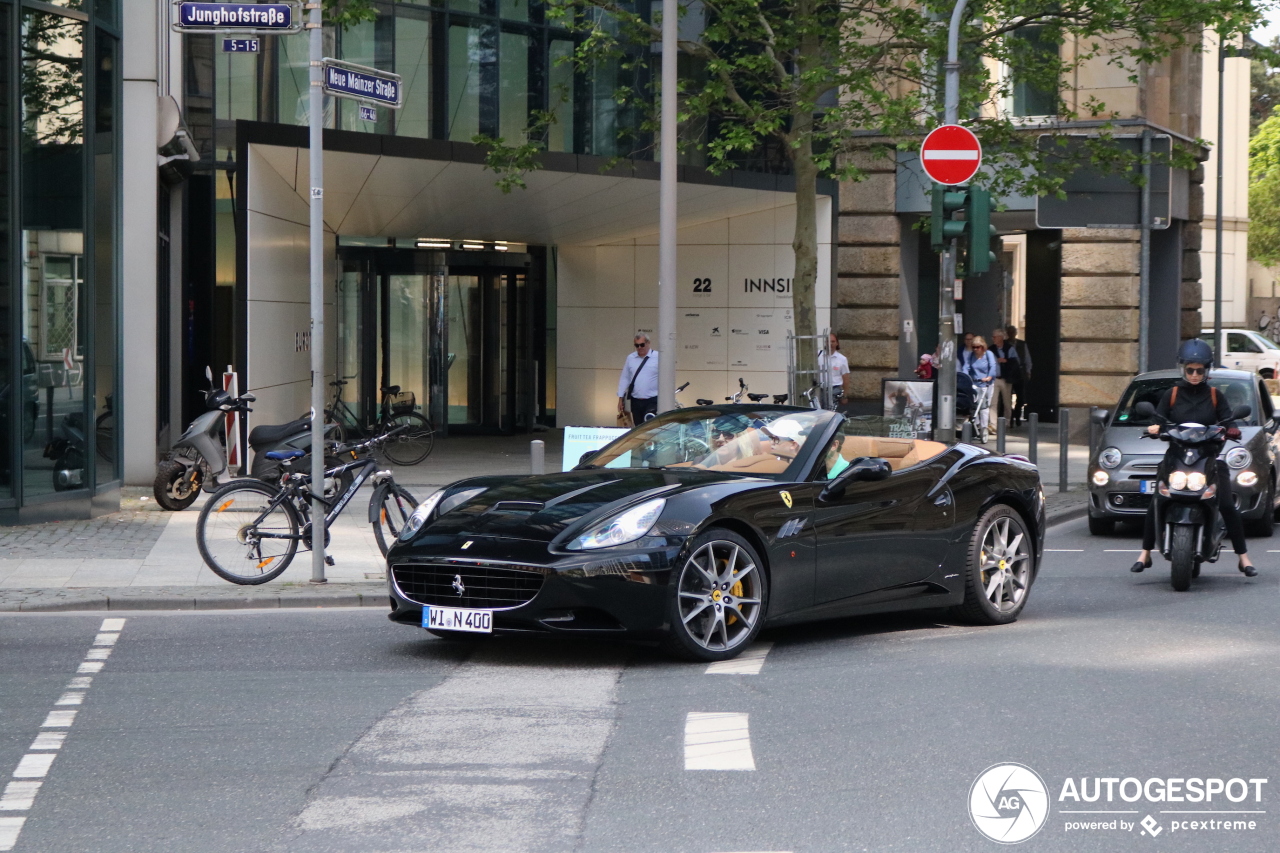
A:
[260,18]
[951,154]
[241,45]
[361,83]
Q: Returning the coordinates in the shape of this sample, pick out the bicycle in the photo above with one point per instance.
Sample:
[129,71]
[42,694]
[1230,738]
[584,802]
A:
[396,410]
[249,531]
[700,401]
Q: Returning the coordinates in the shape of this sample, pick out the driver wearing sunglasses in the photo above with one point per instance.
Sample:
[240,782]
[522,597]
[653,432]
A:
[1197,402]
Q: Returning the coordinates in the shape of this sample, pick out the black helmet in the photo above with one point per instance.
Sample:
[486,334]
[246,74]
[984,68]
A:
[216,399]
[1195,351]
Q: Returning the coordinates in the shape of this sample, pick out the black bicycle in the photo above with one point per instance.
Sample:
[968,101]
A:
[398,409]
[249,531]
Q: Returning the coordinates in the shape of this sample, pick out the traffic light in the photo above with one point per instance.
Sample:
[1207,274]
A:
[977,211]
[946,202]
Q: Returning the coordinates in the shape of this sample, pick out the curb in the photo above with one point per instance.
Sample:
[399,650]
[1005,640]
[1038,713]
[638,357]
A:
[59,601]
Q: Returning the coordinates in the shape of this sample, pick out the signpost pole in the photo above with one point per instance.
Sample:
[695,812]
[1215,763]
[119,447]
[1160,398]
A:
[946,404]
[667,187]
[315,24]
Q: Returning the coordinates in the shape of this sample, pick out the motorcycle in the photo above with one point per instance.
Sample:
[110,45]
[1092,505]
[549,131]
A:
[198,459]
[1189,527]
[67,452]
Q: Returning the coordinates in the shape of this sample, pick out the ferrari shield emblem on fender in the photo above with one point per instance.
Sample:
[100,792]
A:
[786,498]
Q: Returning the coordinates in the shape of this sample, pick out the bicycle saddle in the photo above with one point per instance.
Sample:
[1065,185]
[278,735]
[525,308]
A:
[285,454]
[338,383]
[391,389]
[779,399]
[756,398]
[704,402]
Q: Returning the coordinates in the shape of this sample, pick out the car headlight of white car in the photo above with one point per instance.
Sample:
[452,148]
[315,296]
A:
[622,528]
[1110,457]
[1238,457]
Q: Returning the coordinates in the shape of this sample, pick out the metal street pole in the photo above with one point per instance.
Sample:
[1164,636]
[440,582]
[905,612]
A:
[1217,240]
[1144,259]
[667,213]
[946,426]
[315,24]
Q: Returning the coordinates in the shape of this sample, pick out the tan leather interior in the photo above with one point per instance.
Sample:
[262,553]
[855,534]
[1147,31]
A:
[764,463]
[900,452]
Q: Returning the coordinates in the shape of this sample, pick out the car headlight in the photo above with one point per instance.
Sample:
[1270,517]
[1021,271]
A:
[1247,478]
[1178,480]
[1195,481]
[622,528]
[1238,457]
[420,516]
[1101,478]
[1110,458]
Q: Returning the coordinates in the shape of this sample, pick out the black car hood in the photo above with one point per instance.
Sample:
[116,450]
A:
[541,507]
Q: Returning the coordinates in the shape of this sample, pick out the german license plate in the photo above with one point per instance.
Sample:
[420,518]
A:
[458,619]
[1148,487]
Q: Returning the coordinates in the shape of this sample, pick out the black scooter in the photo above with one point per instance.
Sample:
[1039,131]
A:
[1189,527]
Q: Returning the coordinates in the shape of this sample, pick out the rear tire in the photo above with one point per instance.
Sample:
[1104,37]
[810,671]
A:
[394,505]
[225,533]
[176,487]
[414,444]
[1182,555]
[1101,526]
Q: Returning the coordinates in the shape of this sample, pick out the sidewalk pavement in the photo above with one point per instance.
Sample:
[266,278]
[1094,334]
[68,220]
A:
[143,558]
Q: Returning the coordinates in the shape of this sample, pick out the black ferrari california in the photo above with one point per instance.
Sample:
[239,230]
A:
[703,525]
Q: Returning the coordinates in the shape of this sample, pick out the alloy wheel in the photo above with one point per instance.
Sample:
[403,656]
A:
[720,595]
[1004,564]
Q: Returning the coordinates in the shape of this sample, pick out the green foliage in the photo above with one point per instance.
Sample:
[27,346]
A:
[1264,192]
[1264,84]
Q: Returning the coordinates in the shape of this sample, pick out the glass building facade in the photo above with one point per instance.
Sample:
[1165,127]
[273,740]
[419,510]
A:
[59,255]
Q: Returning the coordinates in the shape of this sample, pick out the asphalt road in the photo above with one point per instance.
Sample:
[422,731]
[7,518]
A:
[291,732]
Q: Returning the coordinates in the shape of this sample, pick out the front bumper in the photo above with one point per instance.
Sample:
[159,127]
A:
[531,589]
[1122,497]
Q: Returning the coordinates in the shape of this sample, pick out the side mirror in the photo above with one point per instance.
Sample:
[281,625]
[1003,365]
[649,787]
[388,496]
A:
[584,457]
[1145,409]
[248,398]
[865,469]
[1241,412]
[1099,416]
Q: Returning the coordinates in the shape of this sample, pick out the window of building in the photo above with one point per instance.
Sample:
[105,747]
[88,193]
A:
[1029,94]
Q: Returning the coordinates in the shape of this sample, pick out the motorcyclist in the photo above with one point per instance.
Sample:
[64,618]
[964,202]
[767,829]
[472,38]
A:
[1193,400]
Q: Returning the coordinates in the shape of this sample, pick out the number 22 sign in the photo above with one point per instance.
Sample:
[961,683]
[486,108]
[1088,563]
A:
[702,285]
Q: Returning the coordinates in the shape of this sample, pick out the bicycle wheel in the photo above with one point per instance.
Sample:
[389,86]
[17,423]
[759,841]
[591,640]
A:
[240,533]
[413,444]
[389,509]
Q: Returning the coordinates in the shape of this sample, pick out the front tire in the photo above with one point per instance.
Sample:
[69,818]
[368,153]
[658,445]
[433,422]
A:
[1101,526]
[1182,555]
[999,568]
[176,487]
[717,598]
[229,533]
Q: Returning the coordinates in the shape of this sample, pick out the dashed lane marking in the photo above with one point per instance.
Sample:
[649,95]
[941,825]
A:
[1064,550]
[19,794]
[717,741]
[747,663]
[1122,551]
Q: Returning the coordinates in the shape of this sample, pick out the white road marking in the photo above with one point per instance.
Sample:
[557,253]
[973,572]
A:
[19,796]
[747,663]
[34,765]
[58,720]
[49,740]
[9,829]
[1065,550]
[717,741]
[1122,551]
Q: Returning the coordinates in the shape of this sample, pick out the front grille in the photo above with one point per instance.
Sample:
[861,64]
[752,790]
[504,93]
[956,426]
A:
[484,587]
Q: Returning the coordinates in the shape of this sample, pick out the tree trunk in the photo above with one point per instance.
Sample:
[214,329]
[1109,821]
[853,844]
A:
[805,242]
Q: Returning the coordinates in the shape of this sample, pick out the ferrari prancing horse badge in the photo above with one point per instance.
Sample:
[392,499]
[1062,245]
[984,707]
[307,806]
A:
[786,498]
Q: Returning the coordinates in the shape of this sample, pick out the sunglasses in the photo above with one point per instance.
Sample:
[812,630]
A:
[640,346]
[1194,371]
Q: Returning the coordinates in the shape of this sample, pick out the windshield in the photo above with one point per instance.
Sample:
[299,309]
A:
[1238,392]
[739,440]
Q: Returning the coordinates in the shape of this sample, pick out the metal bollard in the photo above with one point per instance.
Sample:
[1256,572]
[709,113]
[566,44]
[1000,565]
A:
[966,432]
[1001,425]
[1064,434]
[538,456]
[1033,437]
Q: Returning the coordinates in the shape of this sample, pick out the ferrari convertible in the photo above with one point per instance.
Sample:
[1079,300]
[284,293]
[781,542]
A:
[703,525]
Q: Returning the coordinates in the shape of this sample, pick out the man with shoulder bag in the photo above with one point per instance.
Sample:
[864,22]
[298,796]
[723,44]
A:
[639,384]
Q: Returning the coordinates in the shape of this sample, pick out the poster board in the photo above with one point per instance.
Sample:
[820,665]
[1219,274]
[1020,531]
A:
[578,440]
[908,407]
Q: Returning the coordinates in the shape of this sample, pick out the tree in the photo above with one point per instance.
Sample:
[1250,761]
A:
[1264,192]
[1264,84]
[821,79]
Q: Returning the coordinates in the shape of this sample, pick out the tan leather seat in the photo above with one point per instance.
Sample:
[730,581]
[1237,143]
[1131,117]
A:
[900,452]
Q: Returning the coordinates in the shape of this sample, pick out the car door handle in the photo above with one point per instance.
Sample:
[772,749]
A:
[943,499]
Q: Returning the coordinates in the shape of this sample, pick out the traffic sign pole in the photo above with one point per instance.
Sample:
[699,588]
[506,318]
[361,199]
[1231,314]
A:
[315,24]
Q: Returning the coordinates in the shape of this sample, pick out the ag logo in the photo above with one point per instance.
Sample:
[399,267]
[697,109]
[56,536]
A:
[1008,803]
[786,498]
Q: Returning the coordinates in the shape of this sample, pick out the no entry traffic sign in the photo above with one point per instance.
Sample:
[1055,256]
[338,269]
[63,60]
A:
[951,154]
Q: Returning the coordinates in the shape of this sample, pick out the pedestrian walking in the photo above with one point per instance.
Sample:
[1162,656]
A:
[1019,387]
[965,356]
[639,383]
[1008,371]
[982,370]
